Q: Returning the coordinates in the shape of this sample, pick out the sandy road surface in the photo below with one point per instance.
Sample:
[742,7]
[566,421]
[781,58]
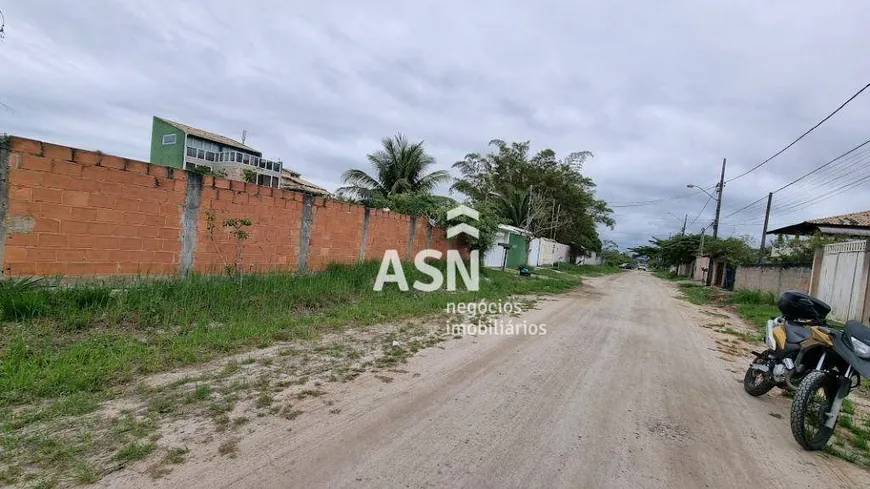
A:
[623,391]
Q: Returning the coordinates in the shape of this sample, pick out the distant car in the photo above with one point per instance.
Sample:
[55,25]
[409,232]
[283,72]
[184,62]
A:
[626,266]
[642,268]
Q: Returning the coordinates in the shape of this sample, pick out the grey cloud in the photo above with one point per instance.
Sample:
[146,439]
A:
[659,91]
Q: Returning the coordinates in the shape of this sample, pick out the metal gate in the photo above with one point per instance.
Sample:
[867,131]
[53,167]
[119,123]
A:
[843,279]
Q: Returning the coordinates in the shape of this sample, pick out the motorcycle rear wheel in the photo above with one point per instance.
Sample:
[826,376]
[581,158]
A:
[812,401]
[756,382]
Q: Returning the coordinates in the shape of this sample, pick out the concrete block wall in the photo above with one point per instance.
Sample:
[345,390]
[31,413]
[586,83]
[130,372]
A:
[68,211]
[774,278]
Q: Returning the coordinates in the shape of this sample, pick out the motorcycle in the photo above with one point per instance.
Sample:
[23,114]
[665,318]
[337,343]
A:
[795,342]
[819,398]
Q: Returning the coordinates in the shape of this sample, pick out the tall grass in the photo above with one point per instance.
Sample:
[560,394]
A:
[587,270]
[695,293]
[754,297]
[67,340]
[756,306]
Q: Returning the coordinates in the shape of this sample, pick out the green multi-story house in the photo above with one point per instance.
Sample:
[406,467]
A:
[182,146]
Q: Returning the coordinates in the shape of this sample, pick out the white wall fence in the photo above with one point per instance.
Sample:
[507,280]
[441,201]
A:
[591,258]
[840,278]
[546,252]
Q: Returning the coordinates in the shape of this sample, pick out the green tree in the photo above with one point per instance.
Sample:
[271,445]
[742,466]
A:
[399,167]
[611,254]
[683,248]
[736,250]
[541,193]
[435,207]
[798,249]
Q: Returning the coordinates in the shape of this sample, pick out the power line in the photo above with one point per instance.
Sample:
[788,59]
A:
[658,201]
[702,210]
[847,153]
[747,206]
[839,175]
[783,150]
[828,195]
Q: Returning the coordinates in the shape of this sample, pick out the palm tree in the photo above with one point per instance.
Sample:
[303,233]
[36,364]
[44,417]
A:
[400,167]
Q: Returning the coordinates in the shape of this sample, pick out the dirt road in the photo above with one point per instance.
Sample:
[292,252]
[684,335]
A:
[623,391]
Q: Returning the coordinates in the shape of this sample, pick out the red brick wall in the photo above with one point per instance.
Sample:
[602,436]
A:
[336,233]
[273,236]
[387,231]
[76,212]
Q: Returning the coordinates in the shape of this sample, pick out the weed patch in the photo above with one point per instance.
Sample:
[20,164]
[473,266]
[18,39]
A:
[85,338]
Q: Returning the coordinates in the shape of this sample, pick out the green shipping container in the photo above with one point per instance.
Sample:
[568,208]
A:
[517,254]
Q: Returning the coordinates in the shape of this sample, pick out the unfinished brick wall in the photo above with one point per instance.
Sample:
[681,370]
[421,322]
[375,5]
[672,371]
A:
[67,211]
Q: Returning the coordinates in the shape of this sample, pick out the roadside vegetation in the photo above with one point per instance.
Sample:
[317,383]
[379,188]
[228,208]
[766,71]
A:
[667,275]
[851,440]
[68,352]
[755,306]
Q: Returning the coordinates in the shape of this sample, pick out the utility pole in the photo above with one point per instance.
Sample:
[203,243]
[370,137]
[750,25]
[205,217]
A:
[764,230]
[683,230]
[719,189]
[701,248]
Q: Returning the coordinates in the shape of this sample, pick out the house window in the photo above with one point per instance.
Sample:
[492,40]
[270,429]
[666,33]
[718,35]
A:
[191,152]
[209,156]
[168,139]
[200,153]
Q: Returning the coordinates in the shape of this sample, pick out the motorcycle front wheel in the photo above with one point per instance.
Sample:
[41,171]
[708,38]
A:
[756,382]
[812,402]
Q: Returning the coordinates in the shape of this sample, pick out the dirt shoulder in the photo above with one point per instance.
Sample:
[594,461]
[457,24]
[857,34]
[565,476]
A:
[626,389]
[735,338]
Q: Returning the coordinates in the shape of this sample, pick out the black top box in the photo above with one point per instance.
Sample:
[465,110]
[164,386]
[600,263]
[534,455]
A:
[796,305]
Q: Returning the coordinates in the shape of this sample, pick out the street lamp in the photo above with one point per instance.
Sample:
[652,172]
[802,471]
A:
[702,189]
[715,220]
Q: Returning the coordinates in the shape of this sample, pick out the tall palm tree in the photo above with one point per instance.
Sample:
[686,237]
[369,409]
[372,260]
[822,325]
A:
[399,167]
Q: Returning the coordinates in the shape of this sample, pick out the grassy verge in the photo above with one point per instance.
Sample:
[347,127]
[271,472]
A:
[851,440]
[66,351]
[755,306]
[663,274]
[82,339]
[695,293]
[577,270]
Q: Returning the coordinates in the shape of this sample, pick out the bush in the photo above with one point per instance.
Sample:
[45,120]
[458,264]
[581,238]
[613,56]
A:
[753,297]
[21,298]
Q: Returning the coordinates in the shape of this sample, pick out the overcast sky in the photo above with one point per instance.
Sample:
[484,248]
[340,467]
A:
[659,91]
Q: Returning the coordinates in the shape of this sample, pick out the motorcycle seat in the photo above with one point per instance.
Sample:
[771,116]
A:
[795,333]
[857,330]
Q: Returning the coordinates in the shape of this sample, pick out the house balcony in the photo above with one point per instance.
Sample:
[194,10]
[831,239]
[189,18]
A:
[232,159]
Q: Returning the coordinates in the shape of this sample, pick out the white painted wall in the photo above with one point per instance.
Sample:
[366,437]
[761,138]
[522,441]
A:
[562,253]
[545,252]
[494,257]
[535,253]
[592,258]
[843,279]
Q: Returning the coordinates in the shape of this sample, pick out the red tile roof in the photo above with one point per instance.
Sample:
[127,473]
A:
[854,220]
